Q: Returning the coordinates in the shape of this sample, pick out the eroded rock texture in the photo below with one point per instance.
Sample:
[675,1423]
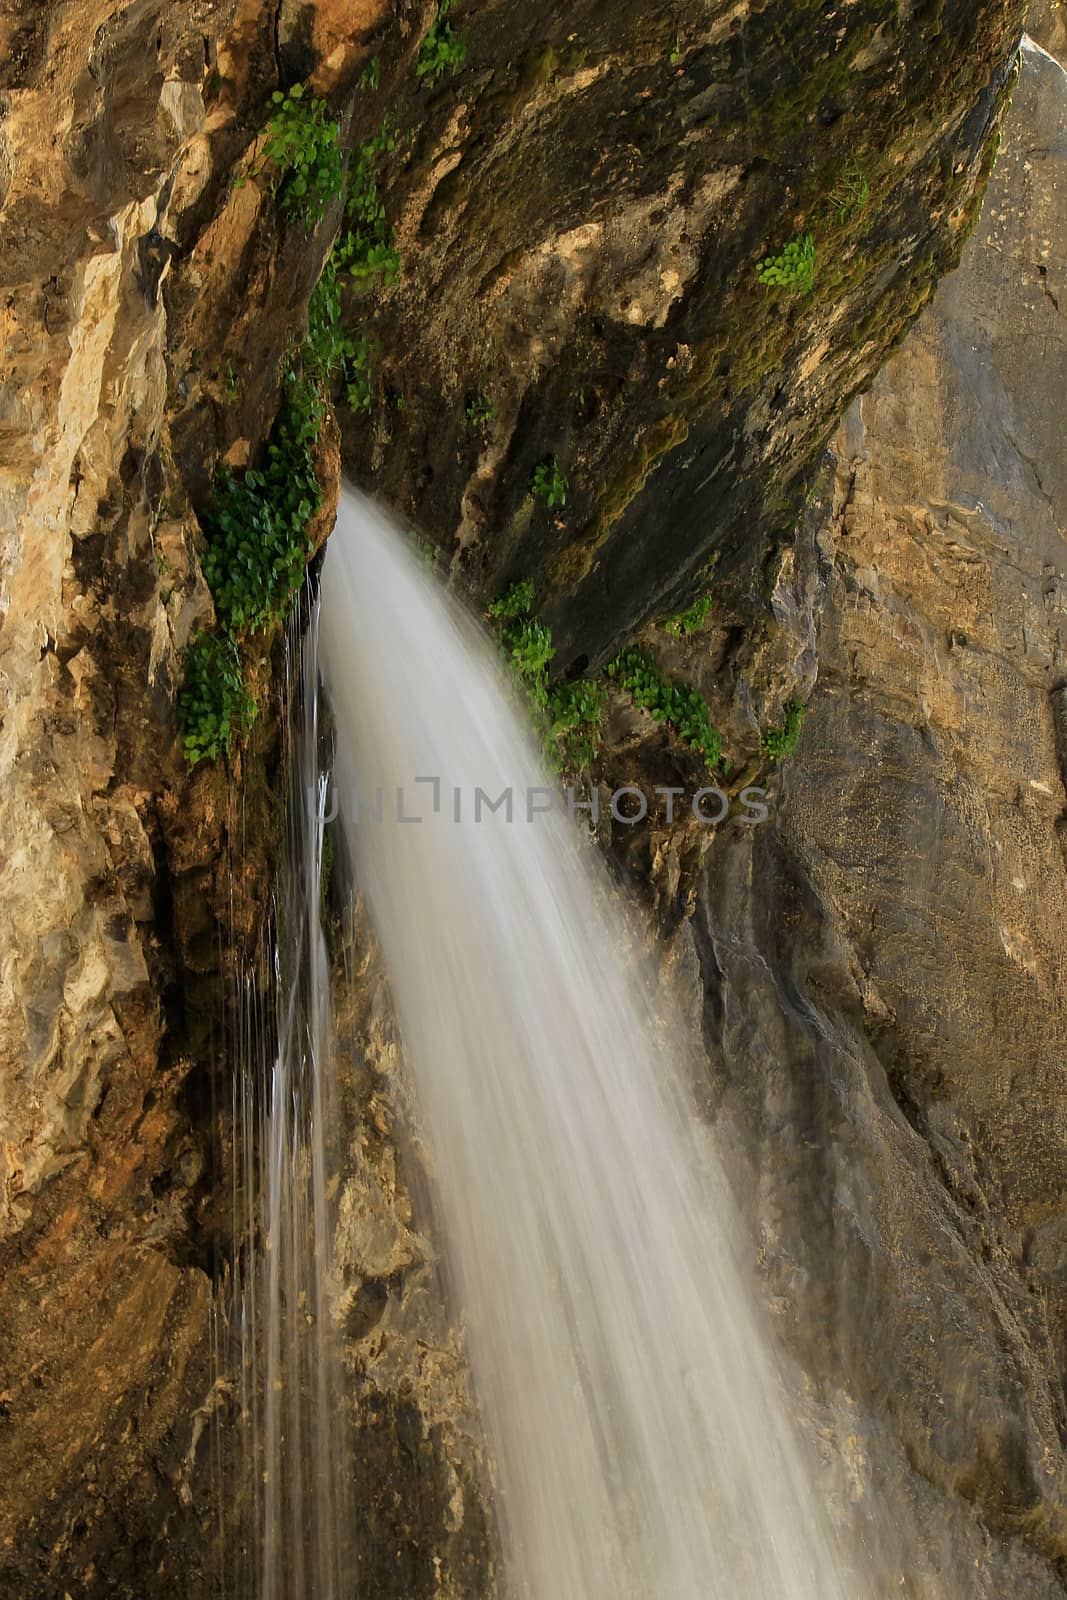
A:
[580,212]
[883,962]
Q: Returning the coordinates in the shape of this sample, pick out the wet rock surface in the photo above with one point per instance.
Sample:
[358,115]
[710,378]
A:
[579,220]
[882,963]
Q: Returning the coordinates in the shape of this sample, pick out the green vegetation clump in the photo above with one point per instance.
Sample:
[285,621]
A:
[257,527]
[214,704]
[480,410]
[850,195]
[304,146]
[576,710]
[426,553]
[330,351]
[793,268]
[371,76]
[781,742]
[692,620]
[366,247]
[567,716]
[258,544]
[443,49]
[549,484]
[677,704]
[515,602]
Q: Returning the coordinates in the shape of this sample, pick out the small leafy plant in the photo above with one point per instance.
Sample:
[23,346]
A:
[781,742]
[576,713]
[692,620]
[425,551]
[214,706]
[515,602]
[549,484]
[371,76]
[793,269]
[366,248]
[443,49]
[330,350]
[850,195]
[480,410]
[677,704]
[257,527]
[359,374]
[529,648]
[303,145]
[568,716]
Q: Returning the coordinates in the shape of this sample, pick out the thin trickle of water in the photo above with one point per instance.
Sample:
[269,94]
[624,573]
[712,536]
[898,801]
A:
[636,1417]
[297,1526]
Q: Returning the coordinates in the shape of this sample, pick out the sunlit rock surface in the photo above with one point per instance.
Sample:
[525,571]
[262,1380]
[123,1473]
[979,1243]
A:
[149,298]
[885,960]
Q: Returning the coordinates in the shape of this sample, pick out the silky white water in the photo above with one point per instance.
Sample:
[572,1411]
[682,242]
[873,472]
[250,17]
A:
[640,1433]
[297,1525]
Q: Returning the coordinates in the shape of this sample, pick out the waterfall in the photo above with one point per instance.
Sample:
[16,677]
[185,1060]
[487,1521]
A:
[297,1525]
[636,1417]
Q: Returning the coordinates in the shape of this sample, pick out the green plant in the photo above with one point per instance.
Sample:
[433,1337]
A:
[371,76]
[851,194]
[781,742]
[443,49]
[576,715]
[324,349]
[675,53]
[516,601]
[213,705]
[359,374]
[480,409]
[257,526]
[426,552]
[693,619]
[793,269]
[303,144]
[677,704]
[529,648]
[549,484]
[330,350]
[568,716]
[366,247]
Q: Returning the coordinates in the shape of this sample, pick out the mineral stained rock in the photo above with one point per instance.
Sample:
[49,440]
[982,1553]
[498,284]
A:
[879,970]
[580,212]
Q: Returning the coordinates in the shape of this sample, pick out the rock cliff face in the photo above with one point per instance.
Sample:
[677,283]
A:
[580,213]
[883,962]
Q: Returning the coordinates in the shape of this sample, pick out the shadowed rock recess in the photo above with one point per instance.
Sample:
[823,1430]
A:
[579,212]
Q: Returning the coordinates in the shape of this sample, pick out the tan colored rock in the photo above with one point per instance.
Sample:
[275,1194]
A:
[886,961]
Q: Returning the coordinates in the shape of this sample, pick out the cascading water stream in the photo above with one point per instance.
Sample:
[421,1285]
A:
[635,1414]
[297,1541]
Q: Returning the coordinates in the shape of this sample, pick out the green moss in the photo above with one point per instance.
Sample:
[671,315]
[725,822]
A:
[690,621]
[781,742]
[661,438]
